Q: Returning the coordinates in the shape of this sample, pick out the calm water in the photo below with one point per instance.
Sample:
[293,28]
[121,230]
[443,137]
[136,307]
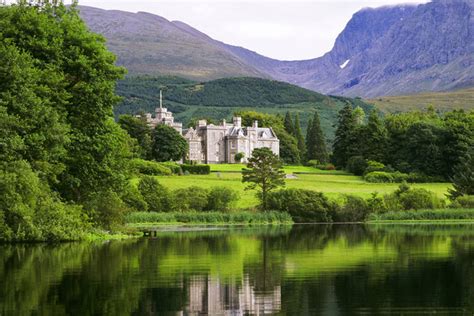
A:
[304,270]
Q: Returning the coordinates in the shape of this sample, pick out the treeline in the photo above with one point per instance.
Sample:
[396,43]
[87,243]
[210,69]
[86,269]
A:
[64,162]
[425,143]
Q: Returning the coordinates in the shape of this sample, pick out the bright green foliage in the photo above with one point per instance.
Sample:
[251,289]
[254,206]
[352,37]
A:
[299,137]
[221,198]
[315,142]
[463,179]
[264,170]
[157,197]
[353,209]
[344,137]
[288,124]
[192,198]
[407,198]
[168,144]
[151,168]
[138,129]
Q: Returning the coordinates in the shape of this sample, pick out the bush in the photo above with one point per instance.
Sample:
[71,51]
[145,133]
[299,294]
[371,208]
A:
[239,156]
[196,169]
[150,168]
[354,209]
[379,177]
[313,163]
[155,195]
[357,165]
[376,204]
[373,166]
[173,166]
[407,198]
[134,200]
[302,205]
[465,201]
[107,209]
[220,198]
[190,199]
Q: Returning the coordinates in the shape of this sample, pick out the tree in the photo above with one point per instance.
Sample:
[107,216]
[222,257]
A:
[288,124]
[315,142]
[344,136]
[138,129]
[463,179]
[168,144]
[299,137]
[264,170]
[374,143]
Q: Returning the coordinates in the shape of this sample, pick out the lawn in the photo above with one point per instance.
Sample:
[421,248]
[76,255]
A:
[288,169]
[332,183]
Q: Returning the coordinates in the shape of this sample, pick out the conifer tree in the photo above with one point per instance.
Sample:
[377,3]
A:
[375,138]
[288,124]
[346,127]
[316,144]
[299,136]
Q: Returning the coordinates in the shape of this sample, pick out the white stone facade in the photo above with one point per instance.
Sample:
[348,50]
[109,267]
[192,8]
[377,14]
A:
[220,143]
[210,143]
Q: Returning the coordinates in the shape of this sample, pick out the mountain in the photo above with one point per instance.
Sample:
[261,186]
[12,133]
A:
[221,98]
[440,101]
[392,50]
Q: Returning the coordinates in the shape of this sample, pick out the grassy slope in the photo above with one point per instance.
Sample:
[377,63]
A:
[219,99]
[332,183]
[443,101]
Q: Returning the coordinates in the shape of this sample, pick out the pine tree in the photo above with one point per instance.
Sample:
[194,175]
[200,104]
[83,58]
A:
[299,136]
[344,136]
[288,124]
[463,179]
[316,144]
[374,144]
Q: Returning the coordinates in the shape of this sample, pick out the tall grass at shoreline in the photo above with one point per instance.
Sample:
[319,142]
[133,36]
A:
[425,215]
[209,218]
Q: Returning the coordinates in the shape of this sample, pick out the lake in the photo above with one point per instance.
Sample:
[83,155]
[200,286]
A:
[299,270]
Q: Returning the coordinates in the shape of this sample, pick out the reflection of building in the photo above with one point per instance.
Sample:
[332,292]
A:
[162,116]
[210,143]
[209,296]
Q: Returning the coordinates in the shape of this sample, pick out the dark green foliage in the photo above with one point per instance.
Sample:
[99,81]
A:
[138,129]
[442,214]
[156,196]
[107,209]
[354,209]
[264,170]
[221,198]
[151,168]
[173,166]
[465,201]
[168,144]
[374,138]
[375,166]
[344,137]
[357,165]
[379,177]
[288,124]
[316,148]
[303,205]
[191,199]
[239,156]
[463,179]
[407,198]
[196,169]
[299,137]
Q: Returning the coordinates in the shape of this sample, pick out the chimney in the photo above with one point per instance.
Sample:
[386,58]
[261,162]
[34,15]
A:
[224,123]
[237,121]
[255,124]
[202,123]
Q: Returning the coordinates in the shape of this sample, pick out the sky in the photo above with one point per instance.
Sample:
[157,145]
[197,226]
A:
[281,29]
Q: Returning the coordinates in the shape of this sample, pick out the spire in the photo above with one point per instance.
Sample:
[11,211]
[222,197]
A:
[161,99]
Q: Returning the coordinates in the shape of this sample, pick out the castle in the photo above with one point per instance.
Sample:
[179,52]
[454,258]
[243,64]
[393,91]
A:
[210,143]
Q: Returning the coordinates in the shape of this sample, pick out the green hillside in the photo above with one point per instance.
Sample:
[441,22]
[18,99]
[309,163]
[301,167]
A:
[442,101]
[219,99]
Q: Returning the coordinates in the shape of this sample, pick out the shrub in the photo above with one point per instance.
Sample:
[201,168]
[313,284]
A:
[196,169]
[239,156]
[107,209]
[155,195]
[379,177]
[357,165]
[190,199]
[376,203]
[302,205]
[313,163]
[173,166]
[354,209]
[373,166]
[134,200]
[465,201]
[417,199]
[220,198]
[151,168]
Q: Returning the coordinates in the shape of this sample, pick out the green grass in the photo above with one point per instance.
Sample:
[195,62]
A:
[448,215]
[332,184]
[141,219]
[443,101]
[288,169]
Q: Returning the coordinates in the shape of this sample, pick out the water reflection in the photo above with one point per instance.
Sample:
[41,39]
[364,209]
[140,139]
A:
[304,270]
